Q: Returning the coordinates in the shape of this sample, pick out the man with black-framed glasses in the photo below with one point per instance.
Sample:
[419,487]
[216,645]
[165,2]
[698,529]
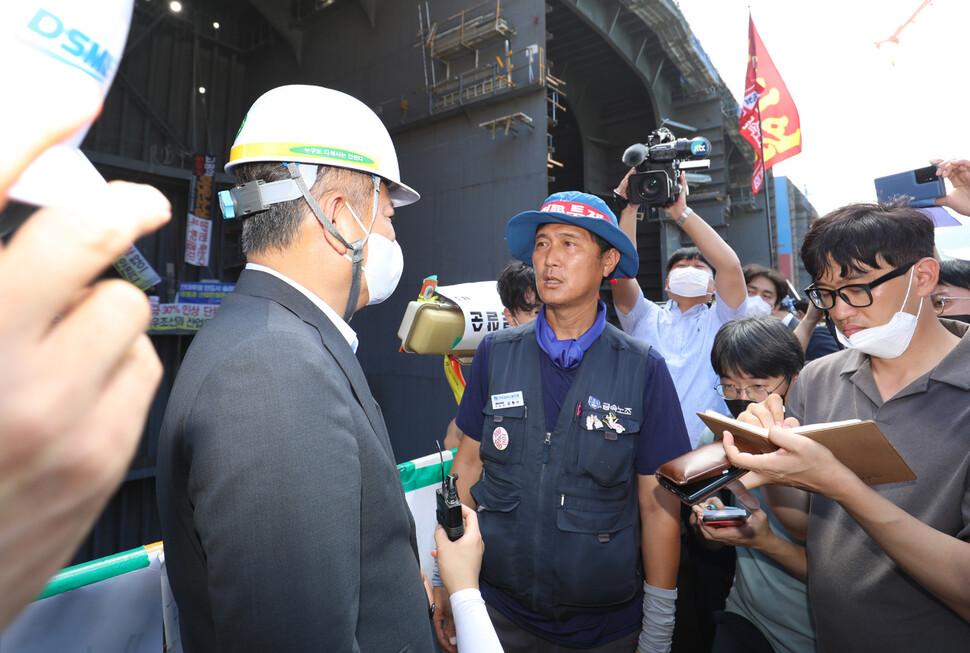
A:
[857,295]
[889,565]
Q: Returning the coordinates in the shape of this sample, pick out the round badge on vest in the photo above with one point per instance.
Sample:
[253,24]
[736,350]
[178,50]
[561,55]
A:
[500,438]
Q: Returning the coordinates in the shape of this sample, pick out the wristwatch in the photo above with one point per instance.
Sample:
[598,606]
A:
[683,216]
[619,201]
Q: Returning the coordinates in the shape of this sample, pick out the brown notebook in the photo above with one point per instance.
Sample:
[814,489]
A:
[860,446]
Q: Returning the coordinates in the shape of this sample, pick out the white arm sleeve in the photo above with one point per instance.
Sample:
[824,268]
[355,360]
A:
[659,608]
[474,628]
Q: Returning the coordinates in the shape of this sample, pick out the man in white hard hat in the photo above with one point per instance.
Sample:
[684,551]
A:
[283,515]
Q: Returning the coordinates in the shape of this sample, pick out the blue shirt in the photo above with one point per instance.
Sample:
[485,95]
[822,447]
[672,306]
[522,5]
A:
[662,438]
[685,341]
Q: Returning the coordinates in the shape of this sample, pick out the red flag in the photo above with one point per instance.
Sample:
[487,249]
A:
[767,111]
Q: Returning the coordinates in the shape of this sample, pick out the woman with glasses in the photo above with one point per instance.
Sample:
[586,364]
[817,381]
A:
[767,609]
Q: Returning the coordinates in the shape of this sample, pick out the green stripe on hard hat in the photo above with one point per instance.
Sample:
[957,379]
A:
[334,153]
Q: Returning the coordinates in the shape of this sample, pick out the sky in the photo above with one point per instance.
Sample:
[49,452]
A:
[865,111]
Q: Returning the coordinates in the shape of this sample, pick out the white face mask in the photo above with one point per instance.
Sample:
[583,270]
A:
[757,307]
[385,263]
[689,282]
[889,340]
[382,272]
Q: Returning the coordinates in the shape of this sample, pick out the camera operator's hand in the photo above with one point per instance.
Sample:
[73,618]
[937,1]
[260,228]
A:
[624,184]
[79,372]
[626,291]
[958,172]
[677,209]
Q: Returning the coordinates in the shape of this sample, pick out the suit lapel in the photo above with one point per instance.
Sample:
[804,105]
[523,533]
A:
[260,284]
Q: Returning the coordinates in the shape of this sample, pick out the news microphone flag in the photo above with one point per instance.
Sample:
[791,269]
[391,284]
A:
[769,119]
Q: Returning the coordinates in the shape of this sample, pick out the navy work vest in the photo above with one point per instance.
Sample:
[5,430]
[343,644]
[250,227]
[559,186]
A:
[558,504]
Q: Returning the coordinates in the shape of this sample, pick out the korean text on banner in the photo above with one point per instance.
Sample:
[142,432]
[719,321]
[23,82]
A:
[198,237]
[181,317]
[482,308]
[134,267]
[204,292]
[200,190]
[769,118]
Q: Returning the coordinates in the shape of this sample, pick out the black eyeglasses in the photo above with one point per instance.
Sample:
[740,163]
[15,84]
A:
[858,295]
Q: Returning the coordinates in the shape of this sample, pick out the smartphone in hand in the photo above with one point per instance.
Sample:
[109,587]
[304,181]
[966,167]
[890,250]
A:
[727,516]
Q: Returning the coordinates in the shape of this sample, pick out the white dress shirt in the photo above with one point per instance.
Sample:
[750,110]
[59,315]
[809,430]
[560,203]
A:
[349,334]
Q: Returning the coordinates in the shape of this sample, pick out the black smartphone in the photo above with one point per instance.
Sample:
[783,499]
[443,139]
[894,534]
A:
[920,186]
[727,516]
[691,493]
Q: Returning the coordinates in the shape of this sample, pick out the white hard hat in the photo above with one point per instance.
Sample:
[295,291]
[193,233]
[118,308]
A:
[321,126]
[53,51]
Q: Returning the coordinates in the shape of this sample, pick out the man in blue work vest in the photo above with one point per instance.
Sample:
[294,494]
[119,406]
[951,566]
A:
[564,421]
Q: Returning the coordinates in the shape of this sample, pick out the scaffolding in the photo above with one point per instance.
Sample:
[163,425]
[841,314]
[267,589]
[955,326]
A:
[525,67]
[554,94]
[507,124]
[468,30]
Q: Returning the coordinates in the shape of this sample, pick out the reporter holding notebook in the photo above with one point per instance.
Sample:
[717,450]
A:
[889,565]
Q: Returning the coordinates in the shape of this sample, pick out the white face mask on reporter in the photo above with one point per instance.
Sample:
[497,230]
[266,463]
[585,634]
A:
[385,262]
[756,306]
[689,282]
[889,340]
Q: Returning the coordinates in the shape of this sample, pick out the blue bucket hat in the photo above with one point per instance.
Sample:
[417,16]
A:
[580,210]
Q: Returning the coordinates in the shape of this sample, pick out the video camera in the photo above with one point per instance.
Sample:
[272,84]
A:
[658,163]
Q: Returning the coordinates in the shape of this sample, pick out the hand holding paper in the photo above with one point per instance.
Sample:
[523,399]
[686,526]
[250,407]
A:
[79,371]
[798,462]
[858,445]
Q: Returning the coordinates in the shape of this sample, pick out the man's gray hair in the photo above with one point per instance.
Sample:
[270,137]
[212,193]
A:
[277,227]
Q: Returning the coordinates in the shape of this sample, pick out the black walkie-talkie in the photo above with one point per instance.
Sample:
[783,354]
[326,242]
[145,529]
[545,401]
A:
[449,506]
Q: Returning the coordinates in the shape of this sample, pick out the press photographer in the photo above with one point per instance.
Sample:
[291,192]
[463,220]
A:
[682,330]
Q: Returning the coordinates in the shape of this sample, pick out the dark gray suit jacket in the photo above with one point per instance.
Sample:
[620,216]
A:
[283,515]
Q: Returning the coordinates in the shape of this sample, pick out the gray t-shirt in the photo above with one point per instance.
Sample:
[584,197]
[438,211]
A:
[767,594]
[862,600]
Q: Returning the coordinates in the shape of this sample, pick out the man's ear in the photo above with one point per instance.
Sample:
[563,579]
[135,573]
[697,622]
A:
[927,276]
[610,259]
[508,317]
[332,204]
